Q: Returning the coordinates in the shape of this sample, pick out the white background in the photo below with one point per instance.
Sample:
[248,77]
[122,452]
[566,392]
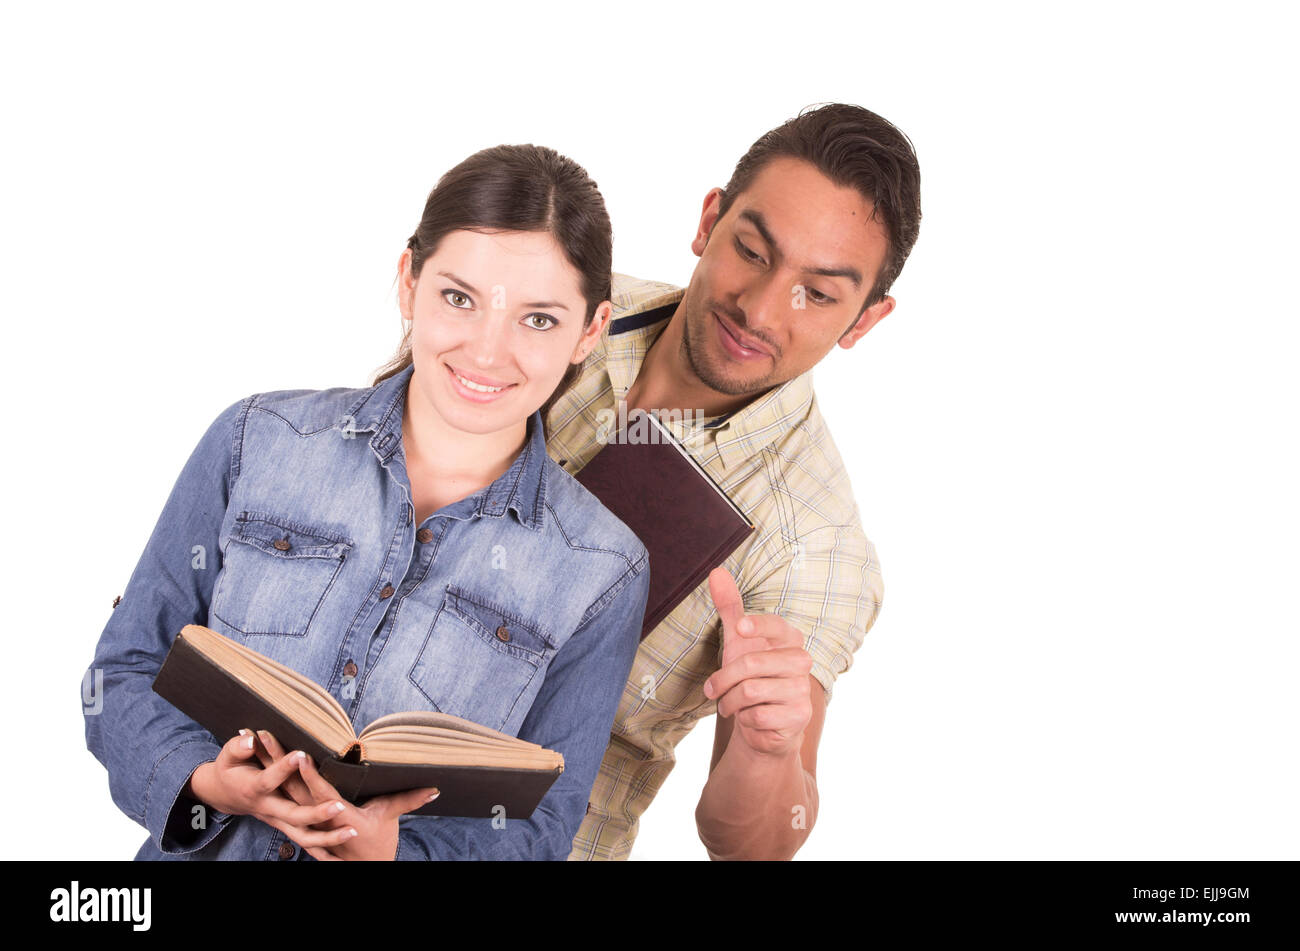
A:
[1073,442]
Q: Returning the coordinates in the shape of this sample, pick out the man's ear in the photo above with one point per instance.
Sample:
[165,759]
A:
[708,218]
[870,317]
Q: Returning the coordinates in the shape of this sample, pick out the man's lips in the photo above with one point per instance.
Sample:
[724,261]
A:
[736,336]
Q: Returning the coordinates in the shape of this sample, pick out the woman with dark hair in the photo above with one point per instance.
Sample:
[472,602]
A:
[409,546]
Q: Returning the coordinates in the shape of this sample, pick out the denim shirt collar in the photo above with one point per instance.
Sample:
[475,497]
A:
[522,487]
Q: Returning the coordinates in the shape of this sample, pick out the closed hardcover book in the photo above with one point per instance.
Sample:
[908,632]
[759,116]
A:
[688,524]
[225,686]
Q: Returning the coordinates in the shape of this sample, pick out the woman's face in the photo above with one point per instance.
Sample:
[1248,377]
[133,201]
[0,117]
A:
[497,319]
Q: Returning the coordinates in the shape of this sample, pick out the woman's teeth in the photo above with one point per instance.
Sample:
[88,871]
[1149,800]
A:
[478,387]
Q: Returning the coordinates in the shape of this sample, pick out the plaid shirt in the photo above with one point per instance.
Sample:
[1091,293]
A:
[807,561]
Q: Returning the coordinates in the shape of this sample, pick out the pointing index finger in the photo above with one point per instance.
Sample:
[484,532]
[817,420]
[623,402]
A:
[726,598]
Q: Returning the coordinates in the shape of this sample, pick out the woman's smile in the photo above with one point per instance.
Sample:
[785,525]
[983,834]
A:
[472,389]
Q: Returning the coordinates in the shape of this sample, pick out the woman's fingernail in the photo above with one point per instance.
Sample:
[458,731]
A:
[354,833]
[299,756]
[433,797]
[243,733]
[338,807]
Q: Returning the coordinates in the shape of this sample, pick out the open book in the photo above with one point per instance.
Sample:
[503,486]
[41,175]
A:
[480,772]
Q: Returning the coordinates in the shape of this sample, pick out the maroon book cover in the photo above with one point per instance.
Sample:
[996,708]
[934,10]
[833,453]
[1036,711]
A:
[687,523]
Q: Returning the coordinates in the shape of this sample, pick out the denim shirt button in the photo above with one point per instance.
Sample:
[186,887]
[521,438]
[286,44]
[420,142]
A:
[350,669]
[281,544]
[424,536]
[387,591]
[502,633]
[286,851]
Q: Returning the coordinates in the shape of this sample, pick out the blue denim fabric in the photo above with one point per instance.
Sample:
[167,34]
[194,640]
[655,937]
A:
[325,469]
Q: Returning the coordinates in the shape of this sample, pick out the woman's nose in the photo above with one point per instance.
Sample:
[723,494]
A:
[491,345]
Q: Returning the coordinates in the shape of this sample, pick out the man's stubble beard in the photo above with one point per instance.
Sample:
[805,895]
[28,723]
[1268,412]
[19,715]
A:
[710,375]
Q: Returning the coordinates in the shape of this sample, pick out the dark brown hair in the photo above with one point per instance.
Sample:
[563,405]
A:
[519,188]
[855,148]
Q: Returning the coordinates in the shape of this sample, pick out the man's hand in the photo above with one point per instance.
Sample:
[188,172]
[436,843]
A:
[764,678]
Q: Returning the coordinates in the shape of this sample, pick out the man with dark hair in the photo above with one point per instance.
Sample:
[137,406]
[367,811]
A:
[797,255]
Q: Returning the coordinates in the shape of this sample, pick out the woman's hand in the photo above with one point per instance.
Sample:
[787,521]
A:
[376,822]
[232,784]
[269,751]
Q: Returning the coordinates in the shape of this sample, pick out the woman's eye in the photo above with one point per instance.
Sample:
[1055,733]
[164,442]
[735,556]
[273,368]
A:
[551,321]
[747,254]
[457,299]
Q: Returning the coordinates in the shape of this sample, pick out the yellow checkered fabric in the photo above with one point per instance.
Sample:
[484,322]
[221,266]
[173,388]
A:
[808,559]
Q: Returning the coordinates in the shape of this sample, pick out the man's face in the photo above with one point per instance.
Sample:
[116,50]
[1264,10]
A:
[786,271]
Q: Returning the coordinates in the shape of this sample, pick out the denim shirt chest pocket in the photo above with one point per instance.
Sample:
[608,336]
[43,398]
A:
[276,573]
[480,660]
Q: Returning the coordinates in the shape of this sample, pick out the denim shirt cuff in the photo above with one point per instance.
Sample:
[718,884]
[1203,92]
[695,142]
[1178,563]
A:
[397,856]
[169,810]
[412,847]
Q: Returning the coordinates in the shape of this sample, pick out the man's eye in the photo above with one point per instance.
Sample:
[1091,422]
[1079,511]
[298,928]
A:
[820,298]
[457,299]
[546,317]
[747,254]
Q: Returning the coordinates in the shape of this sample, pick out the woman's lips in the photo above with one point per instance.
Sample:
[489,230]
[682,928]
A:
[474,396]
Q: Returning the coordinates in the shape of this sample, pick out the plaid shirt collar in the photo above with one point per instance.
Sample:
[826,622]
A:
[642,310]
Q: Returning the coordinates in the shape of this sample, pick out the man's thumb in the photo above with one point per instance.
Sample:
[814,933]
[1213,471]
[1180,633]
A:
[726,598]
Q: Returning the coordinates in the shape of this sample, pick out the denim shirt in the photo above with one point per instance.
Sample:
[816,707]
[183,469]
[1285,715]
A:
[291,530]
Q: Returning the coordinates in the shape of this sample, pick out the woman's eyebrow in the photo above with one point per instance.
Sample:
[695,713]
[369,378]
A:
[474,290]
[465,284]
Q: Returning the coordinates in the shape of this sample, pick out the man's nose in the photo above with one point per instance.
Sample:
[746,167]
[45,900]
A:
[765,303]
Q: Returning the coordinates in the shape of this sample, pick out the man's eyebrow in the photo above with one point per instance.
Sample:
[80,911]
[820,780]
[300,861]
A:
[755,218]
[474,290]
